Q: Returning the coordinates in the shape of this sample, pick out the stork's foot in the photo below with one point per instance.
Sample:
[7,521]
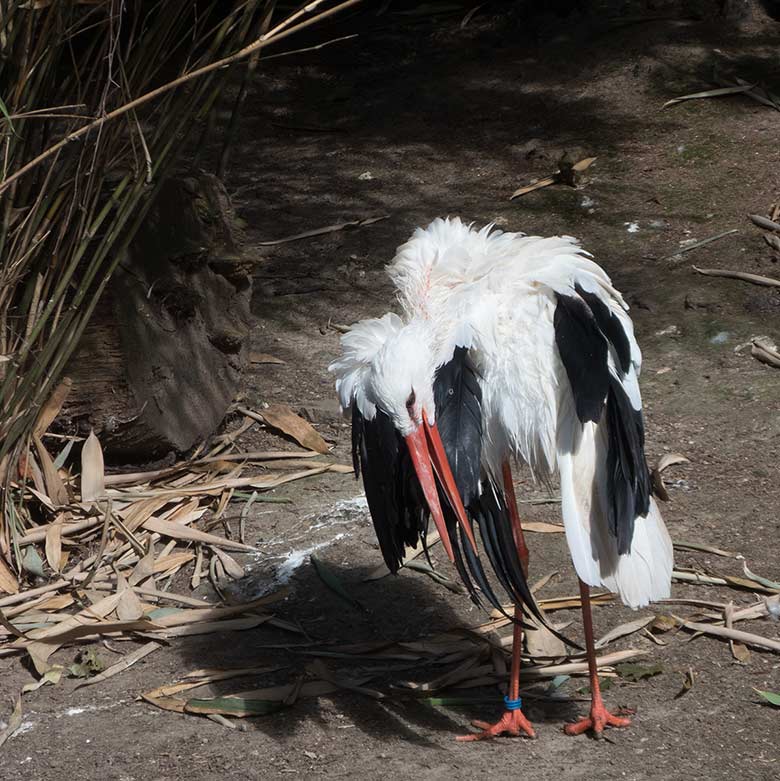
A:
[600,718]
[513,723]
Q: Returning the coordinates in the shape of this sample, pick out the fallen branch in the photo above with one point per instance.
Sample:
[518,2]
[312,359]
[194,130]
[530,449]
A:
[747,638]
[742,275]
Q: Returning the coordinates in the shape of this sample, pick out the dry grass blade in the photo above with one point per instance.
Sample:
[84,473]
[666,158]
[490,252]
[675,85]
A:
[542,527]
[700,546]
[698,244]
[123,664]
[718,92]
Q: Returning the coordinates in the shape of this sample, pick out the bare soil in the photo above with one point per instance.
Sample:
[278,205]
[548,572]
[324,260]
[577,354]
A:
[429,119]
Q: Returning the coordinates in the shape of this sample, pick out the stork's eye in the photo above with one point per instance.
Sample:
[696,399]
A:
[410,402]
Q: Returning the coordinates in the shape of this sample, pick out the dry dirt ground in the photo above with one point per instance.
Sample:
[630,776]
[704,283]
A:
[429,119]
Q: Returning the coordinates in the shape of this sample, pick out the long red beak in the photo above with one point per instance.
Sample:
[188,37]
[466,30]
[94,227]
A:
[426,461]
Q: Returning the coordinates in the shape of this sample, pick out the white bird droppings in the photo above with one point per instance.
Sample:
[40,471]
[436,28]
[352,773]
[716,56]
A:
[632,227]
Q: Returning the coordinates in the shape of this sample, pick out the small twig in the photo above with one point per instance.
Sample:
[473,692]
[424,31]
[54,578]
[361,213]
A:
[322,231]
[701,243]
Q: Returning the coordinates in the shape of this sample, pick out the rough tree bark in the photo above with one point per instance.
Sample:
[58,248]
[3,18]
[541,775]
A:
[162,357]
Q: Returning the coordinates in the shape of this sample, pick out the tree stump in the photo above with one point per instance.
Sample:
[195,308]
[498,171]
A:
[163,354]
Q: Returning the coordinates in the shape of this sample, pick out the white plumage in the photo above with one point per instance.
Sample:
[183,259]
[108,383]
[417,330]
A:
[496,294]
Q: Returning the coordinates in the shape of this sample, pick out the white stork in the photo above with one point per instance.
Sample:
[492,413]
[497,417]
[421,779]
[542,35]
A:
[514,345]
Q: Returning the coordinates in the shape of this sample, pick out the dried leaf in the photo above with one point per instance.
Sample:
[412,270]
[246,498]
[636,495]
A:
[53,677]
[55,488]
[178,532]
[54,545]
[623,630]
[14,722]
[764,222]
[232,567]
[52,407]
[283,419]
[773,241]
[129,607]
[688,681]
[255,357]
[92,470]
[544,528]
[8,582]
[529,188]
[540,641]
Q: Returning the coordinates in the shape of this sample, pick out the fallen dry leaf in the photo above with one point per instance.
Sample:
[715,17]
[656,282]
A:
[283,419]
[255,357]
[51,408]
[664,462]
[92,470]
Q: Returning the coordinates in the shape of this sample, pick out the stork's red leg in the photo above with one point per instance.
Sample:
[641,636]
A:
[514,515]
[599,717]
[513,722]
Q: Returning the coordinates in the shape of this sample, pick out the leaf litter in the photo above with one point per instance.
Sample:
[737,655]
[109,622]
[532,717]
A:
[142,529]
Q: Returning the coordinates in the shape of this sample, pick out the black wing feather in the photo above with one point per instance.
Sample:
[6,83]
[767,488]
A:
[397,510]
[458,399]
[584,328]
[628,486]
[583,350]
[610,326]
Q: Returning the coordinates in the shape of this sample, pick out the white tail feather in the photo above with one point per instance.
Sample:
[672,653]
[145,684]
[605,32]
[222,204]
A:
[641,576]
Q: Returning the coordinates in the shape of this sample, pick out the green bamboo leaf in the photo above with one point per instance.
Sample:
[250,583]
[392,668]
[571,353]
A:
[238,707]
[331,580]
[4,112]
[773,698]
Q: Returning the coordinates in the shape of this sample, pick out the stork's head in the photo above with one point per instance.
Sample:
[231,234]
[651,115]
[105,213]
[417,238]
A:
[387,368]
[400,378]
